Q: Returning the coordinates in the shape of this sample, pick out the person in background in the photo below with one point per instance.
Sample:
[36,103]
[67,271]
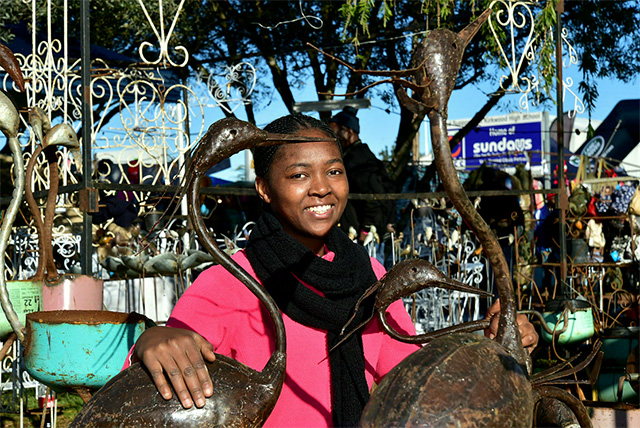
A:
[366,174]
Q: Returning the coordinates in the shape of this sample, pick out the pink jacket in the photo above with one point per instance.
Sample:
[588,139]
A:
[227,314]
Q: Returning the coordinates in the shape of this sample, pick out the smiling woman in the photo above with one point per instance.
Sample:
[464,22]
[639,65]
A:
[313,272]
[306,189]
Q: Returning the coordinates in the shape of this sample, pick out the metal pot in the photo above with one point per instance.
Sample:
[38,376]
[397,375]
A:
[579,325]
[90,347]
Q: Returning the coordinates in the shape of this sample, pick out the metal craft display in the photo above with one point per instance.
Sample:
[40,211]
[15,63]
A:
[515,18]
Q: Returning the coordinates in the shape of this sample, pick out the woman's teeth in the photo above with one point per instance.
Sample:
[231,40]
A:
[319,209]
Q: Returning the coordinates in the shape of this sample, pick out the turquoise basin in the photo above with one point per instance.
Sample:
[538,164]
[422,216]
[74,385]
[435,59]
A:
[579,321]
[580,326]
[67,350]
[608,389]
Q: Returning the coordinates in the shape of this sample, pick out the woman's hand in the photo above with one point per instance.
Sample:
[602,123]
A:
[177,354]
[527,330]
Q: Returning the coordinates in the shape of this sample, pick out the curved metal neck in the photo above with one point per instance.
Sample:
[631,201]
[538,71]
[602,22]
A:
[236,270]
[7,224]
[508,334]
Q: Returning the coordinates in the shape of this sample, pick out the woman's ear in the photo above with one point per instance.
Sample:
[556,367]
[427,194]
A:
[262,187]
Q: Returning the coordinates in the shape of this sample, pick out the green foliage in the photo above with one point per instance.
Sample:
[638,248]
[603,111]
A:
[385,155]
[605,35]
[69,405]
[543,30]
[272,36]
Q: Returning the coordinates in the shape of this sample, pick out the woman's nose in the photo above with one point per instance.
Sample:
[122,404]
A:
[319,186]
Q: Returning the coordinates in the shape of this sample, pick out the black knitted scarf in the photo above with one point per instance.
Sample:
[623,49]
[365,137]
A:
[282,263]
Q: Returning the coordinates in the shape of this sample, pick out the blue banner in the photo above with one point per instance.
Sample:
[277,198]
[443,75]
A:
[500,145]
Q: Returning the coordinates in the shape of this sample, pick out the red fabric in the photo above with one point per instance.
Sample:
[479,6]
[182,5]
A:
[223,310]
[591,207]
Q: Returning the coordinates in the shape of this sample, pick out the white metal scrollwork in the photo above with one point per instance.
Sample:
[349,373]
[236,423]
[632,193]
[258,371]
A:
[163,39]
[516,17]
[232,87]
[572,57]
[145,119]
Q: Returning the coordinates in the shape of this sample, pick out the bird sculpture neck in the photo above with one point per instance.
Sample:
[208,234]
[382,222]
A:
[273,366]
[508,334]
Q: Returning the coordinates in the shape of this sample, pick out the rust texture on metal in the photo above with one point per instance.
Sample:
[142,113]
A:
[48,138]
[10,64]
[242,397]
[46,265]
[85,317]
[451,382]
[88,200]
[403,279]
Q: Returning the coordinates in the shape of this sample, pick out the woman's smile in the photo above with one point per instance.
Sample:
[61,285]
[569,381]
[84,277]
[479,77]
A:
[320,209]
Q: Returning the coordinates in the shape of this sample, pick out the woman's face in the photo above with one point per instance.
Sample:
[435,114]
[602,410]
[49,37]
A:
[307,189]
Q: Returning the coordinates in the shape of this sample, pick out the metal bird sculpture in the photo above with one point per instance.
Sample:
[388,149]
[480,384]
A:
[477,381]
[40,123]
[403,279]
[9,125]
[242,397]
[60,135]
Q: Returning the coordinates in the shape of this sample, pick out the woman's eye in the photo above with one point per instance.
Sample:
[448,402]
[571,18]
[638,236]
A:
[335,172]
[298,175]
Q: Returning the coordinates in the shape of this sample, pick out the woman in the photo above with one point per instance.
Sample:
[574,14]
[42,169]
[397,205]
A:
[314,273]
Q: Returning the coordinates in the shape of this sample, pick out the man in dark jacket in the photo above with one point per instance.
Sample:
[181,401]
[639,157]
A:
[366,174]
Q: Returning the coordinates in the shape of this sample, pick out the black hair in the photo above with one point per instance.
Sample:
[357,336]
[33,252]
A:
[291,124]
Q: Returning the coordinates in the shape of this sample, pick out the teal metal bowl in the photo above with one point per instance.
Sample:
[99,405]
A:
[67,350]
[579,327]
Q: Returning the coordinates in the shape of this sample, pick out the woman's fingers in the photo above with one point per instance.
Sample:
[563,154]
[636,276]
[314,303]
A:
[174,357]
[194,373]
[492,315]
[157,374]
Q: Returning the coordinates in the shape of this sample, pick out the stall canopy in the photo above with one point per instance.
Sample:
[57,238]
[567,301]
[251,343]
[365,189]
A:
[617,135]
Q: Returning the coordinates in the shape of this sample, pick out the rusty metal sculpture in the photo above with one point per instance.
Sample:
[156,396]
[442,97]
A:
[49,138]
[9,62]
[242,397]
[458,379]
[9,125]
[403,279]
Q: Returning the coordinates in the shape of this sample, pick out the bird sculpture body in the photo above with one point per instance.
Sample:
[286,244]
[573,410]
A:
[242,397]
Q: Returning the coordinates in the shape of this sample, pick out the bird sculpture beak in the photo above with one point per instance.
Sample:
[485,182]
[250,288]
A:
[77,156]
[274,139]
[9,62]
[470,30]
[452,284]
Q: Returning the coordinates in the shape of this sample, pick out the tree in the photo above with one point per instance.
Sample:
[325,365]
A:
[369,34]
[603,33]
